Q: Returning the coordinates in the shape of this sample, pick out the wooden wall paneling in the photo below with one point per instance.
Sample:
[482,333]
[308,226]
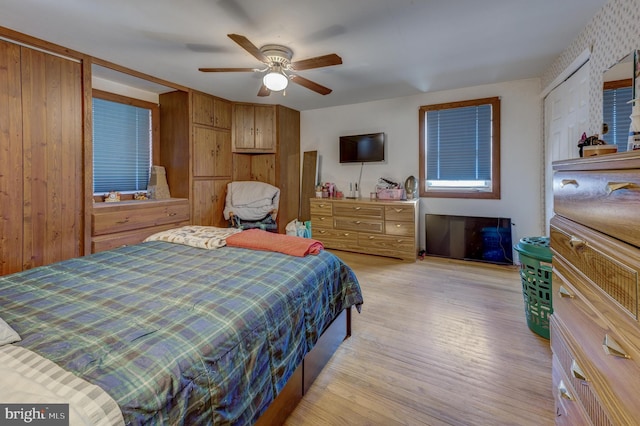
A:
[309,176]
[87,117]
[11,189]
[241,167]
[288,164]
[175,142]
[263,168]
[53,160]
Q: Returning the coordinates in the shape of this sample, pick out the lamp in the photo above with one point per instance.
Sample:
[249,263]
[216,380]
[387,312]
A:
[276,79]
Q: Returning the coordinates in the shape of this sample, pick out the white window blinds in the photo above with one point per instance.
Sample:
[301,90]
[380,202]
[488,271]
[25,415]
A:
[459,146]
[121,146]
[615,113]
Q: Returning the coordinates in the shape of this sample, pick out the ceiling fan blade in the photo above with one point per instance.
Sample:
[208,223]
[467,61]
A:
[264,91]
[317,62]
[310,85]
[248,46]
[226,69]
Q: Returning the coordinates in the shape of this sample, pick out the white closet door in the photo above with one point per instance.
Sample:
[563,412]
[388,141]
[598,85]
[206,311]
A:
[566,116]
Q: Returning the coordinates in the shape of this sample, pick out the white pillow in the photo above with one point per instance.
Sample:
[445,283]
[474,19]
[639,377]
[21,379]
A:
[7,334]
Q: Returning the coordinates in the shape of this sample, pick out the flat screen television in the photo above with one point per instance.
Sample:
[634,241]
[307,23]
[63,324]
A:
[362,148]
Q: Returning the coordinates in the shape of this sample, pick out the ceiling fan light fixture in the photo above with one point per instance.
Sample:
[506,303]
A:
[275,80]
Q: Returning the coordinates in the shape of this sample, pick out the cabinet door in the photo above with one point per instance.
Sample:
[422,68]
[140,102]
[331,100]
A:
[203,109]
[243,127]
[265,128]
[211,152]
[222,158]
[11,195]
[208,202]
[53,158]
[221,113]
[204,151]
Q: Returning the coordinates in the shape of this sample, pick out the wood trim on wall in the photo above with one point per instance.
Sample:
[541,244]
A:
[138,74]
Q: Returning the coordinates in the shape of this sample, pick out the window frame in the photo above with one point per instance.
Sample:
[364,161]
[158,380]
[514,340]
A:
[494,192]
[155,121]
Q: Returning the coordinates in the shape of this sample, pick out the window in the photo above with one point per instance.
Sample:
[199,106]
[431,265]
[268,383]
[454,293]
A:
[460,149]
[123,135]
[616,111]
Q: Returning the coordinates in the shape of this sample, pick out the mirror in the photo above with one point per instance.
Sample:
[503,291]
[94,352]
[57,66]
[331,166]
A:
[618,90]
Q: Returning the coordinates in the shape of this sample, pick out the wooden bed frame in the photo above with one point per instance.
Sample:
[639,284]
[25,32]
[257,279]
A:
[309,369]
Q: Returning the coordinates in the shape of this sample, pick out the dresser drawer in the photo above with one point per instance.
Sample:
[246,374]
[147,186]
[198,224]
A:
[111,241]
[321,221]
[566,368]
[332,238]
[399,213]
[387,243]
[399,228]
[569,411]
[606,200]
[369,211]
[592,255]
[320,208]
[125,217]
[357,224]
[607,393]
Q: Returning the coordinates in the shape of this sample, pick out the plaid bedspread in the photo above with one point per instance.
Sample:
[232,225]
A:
[176,334]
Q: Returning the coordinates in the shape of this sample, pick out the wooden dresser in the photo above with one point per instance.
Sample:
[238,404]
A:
[385,228]
[130,222]
[595,335]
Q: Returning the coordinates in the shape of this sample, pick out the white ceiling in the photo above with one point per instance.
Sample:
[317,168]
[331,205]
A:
[389,48]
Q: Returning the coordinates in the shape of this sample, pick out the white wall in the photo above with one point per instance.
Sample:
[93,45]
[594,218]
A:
[521,150]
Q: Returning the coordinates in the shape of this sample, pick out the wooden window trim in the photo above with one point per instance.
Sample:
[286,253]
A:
[494,194]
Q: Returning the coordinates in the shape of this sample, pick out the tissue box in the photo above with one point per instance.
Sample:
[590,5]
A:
[390,194]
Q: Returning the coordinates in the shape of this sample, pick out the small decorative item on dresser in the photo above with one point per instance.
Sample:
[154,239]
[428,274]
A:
[140,196]
[112,197]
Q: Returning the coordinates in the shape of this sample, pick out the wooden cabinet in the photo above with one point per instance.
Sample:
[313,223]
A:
[211,111]
[595,335]
[130,222]
[208,202]
[254,128]
[196,151]
[280,168]
[385,228]
[211,152]
[41,158]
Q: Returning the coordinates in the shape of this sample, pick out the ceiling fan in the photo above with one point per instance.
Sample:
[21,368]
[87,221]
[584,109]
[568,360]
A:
[278,66]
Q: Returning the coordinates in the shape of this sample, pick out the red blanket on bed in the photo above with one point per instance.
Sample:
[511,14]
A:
[258,239]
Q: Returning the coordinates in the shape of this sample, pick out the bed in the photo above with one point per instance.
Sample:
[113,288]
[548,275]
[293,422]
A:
[177,334]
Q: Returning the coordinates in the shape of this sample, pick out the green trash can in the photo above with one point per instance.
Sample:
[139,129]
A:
[535,273]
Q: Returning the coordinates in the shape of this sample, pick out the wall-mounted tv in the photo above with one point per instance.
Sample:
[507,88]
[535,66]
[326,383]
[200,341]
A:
[362,148]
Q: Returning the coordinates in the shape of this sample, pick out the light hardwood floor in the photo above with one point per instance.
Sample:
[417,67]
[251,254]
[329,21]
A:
[438,342]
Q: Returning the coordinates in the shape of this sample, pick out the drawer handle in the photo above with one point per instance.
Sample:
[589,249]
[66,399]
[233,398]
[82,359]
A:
[399,241]
[121,222]
[565,293]
[398,225]
[577,372]
[371,237]
[322,231]
[611,347]
[566,182]
[357,208]
[172,214]
[357,222]
[614,186]
[575,242]
[346,234]
[564,392]
[398,210]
